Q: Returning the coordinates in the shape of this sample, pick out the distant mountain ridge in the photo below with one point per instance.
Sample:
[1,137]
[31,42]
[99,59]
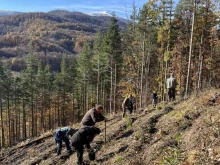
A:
[6,12]
[63,13]
[105,13]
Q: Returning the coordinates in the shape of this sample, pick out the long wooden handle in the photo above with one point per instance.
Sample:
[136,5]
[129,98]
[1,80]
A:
[105,132]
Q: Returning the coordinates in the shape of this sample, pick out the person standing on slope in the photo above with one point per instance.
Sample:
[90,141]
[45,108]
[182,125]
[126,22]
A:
[128,104]
[155,99]
[171,87]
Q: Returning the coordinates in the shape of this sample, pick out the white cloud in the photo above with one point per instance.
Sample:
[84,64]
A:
[94,8]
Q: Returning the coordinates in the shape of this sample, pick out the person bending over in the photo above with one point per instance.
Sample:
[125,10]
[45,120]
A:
[84,136]
[62,135]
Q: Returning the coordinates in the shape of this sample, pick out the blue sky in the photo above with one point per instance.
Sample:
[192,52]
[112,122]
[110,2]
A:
[122,8]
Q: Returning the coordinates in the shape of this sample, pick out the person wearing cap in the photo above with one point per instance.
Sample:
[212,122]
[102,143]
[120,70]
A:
[92,116]
[84,136]
[61,135]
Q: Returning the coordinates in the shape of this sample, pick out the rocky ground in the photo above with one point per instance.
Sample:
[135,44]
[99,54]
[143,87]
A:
[183,132]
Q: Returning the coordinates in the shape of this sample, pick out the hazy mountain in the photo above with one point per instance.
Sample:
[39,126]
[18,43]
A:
[5,12]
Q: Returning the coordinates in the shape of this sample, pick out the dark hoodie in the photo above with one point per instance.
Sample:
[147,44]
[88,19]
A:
[84,136]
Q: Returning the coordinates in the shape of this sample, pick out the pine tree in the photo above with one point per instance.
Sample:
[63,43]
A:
[112,46]
[84,72]
[99,62]
[29,91]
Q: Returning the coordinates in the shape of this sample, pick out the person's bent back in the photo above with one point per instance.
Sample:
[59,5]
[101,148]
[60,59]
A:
[62,135]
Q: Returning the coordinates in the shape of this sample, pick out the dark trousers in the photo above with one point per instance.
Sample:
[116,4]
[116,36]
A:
[171,94]
[154,103]
[59,144]
[79,150]
[129,109]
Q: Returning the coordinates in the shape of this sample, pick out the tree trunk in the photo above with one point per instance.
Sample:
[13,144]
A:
[24,129]
[98,77]
[32,113]
[63,109]
[115,87]
[200,64]
[58,111]
[9,121]
[190,50]
[49,117]
[2,126]
[19,126]
[142,71]
[111,88]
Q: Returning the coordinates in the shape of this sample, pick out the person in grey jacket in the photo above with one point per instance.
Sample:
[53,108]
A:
[92,116]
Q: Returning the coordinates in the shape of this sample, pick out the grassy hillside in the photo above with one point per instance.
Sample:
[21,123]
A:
[184,132]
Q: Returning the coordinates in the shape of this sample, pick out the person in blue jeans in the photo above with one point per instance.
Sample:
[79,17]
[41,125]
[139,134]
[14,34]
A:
[61,135]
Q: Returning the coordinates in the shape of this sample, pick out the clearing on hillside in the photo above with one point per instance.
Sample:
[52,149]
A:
[183,132]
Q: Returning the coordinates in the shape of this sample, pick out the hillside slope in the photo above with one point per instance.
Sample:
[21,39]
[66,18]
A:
[180,132]
[48,36]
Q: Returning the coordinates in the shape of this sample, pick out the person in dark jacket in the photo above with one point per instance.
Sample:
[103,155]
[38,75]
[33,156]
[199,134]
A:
[92,116]
[62,135]
[155,99]
[84,136]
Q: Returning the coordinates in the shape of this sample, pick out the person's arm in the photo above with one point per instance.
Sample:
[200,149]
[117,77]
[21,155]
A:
[59,135]
[87,145]
[101,117]
[89,140]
